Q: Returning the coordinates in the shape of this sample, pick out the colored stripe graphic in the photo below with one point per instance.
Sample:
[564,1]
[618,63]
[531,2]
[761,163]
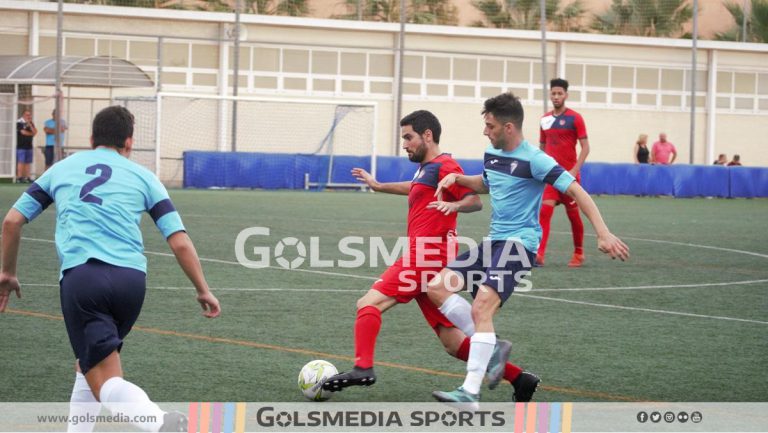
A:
[229,417]
[530,419]
[205,417]
[554,417]
[519,417]
[543,417]
[216,420]
[240,418]
[567,412]
[192,418]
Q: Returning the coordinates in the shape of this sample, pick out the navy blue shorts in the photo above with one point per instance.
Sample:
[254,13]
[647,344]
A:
[500,265]
[48,153]
[100,303]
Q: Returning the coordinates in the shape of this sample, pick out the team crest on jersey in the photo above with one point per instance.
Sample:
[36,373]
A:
[512,167]
[562,122]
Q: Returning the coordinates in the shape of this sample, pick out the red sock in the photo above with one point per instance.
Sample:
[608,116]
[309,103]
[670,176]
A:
[463,352]
[545,217]
[577,227]
[367,326]
[510,372]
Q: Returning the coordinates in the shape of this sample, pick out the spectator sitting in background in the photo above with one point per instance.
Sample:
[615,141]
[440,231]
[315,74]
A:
[661,151]
[736,161]
[641,149]
[721,160]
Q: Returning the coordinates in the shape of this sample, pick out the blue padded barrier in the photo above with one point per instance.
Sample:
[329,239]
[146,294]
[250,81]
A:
[748,182]
[272,171]
[701,181]
[597,178]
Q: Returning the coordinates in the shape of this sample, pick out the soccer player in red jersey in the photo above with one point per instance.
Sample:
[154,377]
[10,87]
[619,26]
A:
[431,235]
[559,131]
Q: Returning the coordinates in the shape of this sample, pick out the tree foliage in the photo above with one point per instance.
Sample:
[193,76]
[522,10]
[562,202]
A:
[757,22]
[661,18]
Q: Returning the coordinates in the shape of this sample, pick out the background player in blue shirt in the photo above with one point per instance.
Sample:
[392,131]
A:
[100,197]
[515,174]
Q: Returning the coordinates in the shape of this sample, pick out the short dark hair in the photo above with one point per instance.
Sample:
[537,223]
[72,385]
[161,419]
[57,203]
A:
[558,82]
[112,126]
[505,108]
[422,120]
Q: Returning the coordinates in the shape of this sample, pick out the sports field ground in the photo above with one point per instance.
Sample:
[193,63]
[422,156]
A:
[686,319]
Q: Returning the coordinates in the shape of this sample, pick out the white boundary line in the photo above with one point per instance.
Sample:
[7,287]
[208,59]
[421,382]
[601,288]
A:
[578,289]
[648,310]
[547,298]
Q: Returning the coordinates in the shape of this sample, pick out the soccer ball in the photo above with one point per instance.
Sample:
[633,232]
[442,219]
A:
[311,378]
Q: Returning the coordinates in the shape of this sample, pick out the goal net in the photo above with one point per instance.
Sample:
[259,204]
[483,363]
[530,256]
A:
[275,128]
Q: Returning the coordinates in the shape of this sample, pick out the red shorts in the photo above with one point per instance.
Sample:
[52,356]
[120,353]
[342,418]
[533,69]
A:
[408,283]
[550,193]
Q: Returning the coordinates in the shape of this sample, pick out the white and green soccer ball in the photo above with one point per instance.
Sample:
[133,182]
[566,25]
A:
[311,378]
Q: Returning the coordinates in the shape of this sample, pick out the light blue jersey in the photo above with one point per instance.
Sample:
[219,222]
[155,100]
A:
[516,182]
[50,139]
[100,197]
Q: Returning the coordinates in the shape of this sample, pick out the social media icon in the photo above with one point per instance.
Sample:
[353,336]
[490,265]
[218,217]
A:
[682,417]
[642,417]
[669,416]
[655,416]
[696,417]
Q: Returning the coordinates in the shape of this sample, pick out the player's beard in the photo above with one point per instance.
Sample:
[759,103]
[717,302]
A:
[499,142]
[558,106]
[419,153]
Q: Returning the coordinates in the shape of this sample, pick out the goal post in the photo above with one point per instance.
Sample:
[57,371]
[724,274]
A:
[329,129]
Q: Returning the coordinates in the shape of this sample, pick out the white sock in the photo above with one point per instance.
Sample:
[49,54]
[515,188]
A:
[459,312]
[480,351]
[123,397]
[82,406]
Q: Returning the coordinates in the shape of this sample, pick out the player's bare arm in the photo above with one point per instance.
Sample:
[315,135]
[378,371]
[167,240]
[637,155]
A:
[607,242]
[470,203]
[584,142]
[186,255]
[401,188]
[475,183]
[11,238]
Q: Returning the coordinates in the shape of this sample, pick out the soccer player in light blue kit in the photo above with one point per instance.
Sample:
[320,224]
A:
[100,197]
[515,174]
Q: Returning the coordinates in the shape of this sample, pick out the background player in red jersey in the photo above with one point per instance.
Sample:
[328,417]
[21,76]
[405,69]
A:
[431,231]
[559,131]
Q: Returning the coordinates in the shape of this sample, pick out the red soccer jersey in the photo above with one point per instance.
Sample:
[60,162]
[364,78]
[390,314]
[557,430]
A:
[423,222]
[559,135]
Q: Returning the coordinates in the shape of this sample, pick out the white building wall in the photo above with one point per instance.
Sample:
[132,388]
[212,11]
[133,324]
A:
[623,86]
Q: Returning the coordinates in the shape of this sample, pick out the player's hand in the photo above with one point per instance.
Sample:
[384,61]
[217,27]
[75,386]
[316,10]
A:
[444,184]
[445,207]
[210,305]
[363,176]
[8,284]
[613,246]
[574,172]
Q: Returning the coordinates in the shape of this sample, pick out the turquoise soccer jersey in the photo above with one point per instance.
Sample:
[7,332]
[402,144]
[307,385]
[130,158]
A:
[100,198]
[515,181]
